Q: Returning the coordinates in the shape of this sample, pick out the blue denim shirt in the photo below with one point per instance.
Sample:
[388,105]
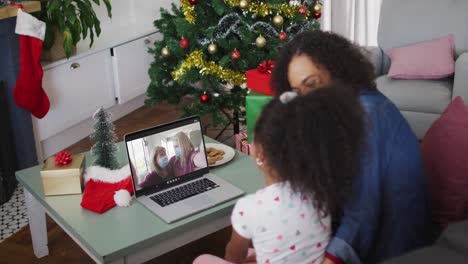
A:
[388,213]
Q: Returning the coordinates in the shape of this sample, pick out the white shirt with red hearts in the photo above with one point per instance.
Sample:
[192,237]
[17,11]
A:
[284,226]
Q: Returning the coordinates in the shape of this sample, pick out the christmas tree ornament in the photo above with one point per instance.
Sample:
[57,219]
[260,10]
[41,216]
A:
[283,35]
[63,158]
[204,98]
[302,10]
[278,20]
[165,52]
[104,149]
[184,43]
[317,7]
[260,42]
[244,4]
[193,2]
[317,15]
[212,48]
[235,55]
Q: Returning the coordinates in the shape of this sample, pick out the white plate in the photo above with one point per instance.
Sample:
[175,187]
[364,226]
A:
[229,153]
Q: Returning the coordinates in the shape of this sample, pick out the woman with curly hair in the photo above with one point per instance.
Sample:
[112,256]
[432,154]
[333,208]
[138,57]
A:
[388,213]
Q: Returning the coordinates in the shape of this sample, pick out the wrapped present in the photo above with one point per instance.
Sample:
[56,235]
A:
[254,103]
[246,147]
[241,143]
[259,79]
[59,177]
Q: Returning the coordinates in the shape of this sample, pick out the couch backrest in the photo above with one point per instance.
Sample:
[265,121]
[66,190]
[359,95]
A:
[405,22]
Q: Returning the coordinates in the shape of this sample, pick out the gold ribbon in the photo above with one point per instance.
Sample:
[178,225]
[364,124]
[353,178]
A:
[195,60]
[264,9]
[188,10]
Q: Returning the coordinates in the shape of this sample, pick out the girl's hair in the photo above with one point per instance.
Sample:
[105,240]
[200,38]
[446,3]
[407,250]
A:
[185,145]
[314,143]
[344,60]
[155,166]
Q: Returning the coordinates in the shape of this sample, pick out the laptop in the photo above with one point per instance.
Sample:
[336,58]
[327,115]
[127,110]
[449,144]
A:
[170,171]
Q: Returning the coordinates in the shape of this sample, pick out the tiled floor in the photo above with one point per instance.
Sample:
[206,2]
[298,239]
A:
[13,215]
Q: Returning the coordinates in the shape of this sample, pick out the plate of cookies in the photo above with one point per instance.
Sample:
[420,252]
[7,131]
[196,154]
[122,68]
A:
[218,154]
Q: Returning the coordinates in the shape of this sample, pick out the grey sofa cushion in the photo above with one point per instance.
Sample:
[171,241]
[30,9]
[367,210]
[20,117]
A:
[428,96]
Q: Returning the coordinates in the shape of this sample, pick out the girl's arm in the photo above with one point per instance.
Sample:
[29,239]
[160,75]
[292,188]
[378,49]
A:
[237,248]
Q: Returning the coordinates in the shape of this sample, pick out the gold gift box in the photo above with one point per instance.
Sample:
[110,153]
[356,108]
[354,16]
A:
[68,179]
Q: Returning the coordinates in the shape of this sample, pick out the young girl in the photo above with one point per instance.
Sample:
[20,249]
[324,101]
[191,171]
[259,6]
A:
[308,149]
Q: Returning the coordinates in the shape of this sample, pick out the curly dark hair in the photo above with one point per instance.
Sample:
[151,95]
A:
[314,143]
[344,60]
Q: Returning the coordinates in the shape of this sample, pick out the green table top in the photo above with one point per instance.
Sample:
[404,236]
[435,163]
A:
[121,231]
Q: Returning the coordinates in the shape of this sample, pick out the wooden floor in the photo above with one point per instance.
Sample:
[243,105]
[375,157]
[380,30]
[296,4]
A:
[62,249]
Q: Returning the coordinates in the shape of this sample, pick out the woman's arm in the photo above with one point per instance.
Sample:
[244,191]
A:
[237,248]
[360,221]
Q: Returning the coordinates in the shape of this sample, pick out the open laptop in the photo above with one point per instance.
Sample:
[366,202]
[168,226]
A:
[185,185]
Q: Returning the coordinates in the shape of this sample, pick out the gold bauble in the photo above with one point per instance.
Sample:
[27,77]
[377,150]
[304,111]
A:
[278,20]
[317,7]
[260,42]
[243,4]
[165,52]
[212,48]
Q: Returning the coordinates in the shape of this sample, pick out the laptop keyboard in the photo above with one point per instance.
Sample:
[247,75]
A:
[183,192]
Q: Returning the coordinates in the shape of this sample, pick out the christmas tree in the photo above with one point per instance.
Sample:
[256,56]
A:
[104,149]
[208,45]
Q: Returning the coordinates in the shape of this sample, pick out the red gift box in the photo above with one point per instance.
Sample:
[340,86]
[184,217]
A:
[242,144]
[259,79]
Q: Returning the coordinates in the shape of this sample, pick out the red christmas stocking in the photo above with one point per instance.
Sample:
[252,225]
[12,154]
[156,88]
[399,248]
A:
[28,92]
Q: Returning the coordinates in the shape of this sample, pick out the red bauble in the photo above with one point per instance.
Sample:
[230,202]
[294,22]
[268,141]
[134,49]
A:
[317,15]
[193,2]
[184,43]
[63,158]
[302,10]
[283,35]
[204,98]
[235,55]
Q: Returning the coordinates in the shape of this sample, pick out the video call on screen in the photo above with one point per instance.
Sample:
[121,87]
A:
[163,156]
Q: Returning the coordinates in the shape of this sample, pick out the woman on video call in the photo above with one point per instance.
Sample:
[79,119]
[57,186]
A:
[160,169]
[186,158]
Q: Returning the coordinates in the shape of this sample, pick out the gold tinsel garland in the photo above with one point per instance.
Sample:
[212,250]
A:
[189,11]
[264,9]
[195,60]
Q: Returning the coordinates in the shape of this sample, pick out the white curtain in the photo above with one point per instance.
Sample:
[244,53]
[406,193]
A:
[356,20]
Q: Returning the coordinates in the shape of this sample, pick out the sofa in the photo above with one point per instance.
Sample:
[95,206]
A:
[405,22]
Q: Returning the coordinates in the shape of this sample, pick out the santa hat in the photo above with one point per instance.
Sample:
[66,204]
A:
[107,188]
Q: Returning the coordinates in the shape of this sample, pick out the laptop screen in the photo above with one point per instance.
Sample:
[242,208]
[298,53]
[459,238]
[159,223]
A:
[166,155]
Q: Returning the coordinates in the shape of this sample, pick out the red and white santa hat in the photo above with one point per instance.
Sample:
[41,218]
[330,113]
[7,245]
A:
[105,188]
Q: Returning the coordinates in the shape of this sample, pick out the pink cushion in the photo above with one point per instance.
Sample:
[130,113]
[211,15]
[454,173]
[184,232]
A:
[445,154]
[426,60]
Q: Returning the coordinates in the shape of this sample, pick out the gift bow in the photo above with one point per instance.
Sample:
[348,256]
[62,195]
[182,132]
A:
[266,66]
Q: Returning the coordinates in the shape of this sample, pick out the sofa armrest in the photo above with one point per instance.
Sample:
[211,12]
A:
[374,54]
[460,83]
